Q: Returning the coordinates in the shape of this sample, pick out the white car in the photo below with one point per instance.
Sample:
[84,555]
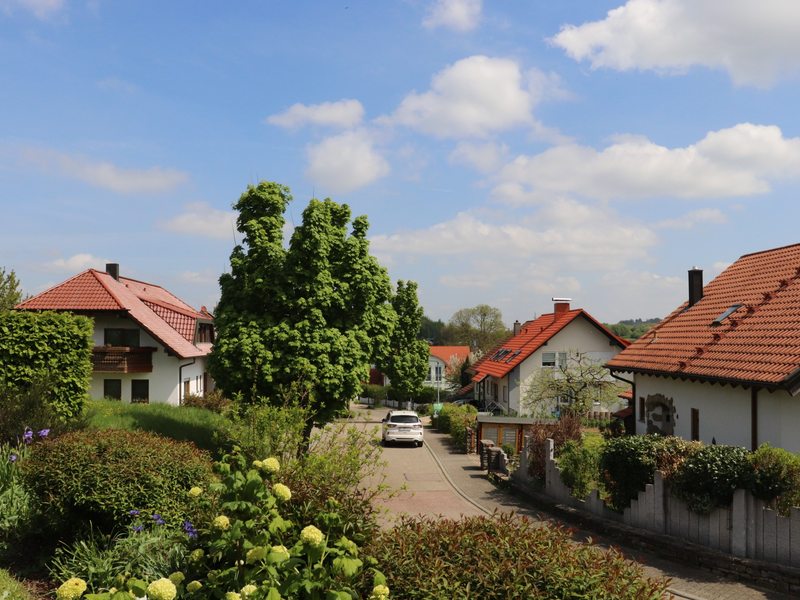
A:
[402,426]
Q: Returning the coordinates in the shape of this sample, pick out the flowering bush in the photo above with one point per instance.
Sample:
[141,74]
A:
[252,551]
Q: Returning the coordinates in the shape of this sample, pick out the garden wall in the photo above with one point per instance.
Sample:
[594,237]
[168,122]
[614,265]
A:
[745,529]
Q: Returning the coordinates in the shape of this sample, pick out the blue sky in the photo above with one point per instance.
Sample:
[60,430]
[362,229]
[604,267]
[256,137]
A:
[505,152]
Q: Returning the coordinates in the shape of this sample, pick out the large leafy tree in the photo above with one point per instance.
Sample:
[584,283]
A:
[406,363]
[300,323]
[10,292]
[479,328]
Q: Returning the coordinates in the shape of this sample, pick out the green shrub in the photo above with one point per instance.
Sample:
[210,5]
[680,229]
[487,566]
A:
[629,463]
[15,590]
[424,409]
[428,395]
[502,557]
[33,407]
[777,478]
[58,345]
[580,466]
[613,429]
[213,401]
[262,430]
[98,559]
[99,476]
[249,547]
[374,392]
[708,478]
[509,449]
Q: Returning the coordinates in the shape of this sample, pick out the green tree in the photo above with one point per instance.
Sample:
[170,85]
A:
[10,292]
[481,327]
[574,385]
[431,330]
[300,323]
[406,364]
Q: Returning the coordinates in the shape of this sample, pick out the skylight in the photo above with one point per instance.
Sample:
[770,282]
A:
[718,321]
[510,358]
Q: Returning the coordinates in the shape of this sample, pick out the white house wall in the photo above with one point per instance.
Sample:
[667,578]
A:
[433,362]
[725,412]
[579,335]
[164,385]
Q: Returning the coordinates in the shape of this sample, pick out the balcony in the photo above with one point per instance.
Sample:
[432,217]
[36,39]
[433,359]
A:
[122,359]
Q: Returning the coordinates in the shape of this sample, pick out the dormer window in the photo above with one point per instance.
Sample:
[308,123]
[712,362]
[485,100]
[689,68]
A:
[205,333]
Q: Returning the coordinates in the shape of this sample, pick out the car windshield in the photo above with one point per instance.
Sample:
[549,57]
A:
[404,419]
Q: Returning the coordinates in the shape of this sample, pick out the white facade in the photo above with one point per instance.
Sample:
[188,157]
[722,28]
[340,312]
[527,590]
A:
[167,382]
[724,413]
[579,335]
[435,376]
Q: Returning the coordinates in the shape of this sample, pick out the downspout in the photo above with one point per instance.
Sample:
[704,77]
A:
[180,379]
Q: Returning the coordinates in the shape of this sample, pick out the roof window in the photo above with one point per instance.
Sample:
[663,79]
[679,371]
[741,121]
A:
[510,358]
[718,321]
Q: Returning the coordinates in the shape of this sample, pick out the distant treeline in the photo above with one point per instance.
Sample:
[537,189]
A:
[632,329]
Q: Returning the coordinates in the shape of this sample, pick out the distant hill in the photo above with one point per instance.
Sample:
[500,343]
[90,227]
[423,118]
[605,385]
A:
[632,329]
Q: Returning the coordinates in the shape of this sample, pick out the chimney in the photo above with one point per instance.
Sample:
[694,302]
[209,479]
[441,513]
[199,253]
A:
[517,327]
[113,270]
[695,286]
[561,307]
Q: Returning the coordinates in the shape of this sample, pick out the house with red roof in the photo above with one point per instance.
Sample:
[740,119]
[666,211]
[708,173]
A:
[544,342]
[149,346]
[724,366]
[439,364]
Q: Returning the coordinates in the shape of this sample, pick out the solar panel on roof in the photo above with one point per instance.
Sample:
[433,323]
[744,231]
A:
[510,358]
[718,321]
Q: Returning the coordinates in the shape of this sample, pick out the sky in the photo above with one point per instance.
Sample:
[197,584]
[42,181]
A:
[504,152]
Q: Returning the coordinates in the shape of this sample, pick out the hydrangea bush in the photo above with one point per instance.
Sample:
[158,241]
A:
[249,551]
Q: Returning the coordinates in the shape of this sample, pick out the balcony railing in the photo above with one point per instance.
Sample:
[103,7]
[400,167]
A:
[122,359]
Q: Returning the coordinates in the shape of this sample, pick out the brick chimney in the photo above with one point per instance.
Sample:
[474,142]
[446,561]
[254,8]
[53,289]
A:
[561,307]
[517,327]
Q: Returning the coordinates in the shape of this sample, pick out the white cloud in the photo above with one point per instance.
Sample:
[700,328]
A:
[692,218]
[345,162]
[205,276]
[200,218]
[483,157]
[105,174]
[632,294]
[475,97]
[40,8]
[567,234]
[755,42]
[721,265]
[739,161]
[74,264]
[461,15]
[345,113]
[116,84]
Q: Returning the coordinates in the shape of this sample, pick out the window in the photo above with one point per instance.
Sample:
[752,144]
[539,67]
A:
[641,409]
[186,389]
[494,391]
[428,378]
[438,373]
[112,388]
[548,359]
[121,337]
[505,394]
[562,359]
[140,390]
[695,425]
[205,333]
[197,387]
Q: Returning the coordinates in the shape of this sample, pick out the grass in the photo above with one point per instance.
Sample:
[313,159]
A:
[177,422]
[15,590]
[592,438]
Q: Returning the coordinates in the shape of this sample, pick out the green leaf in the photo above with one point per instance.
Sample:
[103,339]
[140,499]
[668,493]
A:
[137,587]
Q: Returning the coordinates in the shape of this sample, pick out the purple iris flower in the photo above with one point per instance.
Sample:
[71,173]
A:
[28,435]
[158,519]
[138,528]
[189,529]
[43,433]
[13,458]
[134,513]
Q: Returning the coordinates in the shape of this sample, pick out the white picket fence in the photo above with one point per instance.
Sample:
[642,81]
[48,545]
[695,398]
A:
[745,529]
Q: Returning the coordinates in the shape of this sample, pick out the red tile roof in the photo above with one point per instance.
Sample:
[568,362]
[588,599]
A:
[759,343]
[168,319]
[626,395]
[532,335]
[446,353]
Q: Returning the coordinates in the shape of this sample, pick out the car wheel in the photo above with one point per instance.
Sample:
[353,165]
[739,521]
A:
[419,444]
[384,443]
